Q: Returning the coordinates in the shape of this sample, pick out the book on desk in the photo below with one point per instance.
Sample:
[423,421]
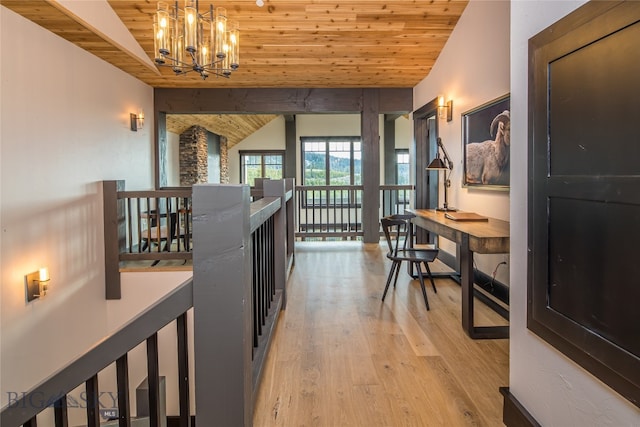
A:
[465,216]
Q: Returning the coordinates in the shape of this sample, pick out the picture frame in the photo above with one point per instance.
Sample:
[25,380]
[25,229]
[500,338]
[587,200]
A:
[486,141]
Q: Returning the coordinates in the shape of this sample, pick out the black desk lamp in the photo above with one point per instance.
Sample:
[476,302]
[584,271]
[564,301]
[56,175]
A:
[445,165]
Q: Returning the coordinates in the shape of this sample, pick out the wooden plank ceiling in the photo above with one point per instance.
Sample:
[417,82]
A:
[235,127]
[285,43]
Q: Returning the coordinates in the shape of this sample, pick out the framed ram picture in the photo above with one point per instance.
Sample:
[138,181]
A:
[486,139]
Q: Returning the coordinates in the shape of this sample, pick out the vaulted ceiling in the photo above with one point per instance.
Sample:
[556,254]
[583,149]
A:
[285,43]
[235,127]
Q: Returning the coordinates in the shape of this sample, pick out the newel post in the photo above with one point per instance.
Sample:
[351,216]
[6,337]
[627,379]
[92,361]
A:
[114,236]
[222,305]
[290,197]
[276,188]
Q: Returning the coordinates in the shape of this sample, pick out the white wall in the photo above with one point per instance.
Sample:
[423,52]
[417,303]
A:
[65,128]
[554,389]
[269,137]
[325,125]
[472,69]
[173,159]
[404,132]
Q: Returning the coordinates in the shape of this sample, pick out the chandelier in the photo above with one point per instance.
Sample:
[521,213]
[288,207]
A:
[186,40]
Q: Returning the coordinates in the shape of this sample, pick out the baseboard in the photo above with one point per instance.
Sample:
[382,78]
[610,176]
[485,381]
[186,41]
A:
[513,413]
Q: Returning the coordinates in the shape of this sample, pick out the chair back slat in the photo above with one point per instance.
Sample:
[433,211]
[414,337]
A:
[397,226]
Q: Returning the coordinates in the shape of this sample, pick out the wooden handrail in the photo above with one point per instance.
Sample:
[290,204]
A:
[102,354]
[263,209]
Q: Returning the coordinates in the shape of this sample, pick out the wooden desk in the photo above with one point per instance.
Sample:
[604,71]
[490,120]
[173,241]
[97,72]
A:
[484,237]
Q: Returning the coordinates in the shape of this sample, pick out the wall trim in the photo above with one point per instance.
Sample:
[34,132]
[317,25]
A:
[513,413]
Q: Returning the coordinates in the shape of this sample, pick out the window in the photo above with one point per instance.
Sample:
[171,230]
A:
[402,166]
[331,161]
[261,164]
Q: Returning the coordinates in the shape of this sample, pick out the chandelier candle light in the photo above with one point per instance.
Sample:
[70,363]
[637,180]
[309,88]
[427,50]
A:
[187,40]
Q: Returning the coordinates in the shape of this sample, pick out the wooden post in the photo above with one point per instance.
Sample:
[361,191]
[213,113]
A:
[290,146]
[222,305]
[370,166]
[276,188]
[114,236]
[390,149]
[290,186]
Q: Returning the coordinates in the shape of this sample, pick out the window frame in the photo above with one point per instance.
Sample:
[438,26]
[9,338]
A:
[397,152]
[262,154]
[352,200]
[327,140]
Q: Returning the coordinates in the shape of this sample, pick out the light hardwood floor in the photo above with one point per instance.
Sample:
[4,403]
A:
[341,357]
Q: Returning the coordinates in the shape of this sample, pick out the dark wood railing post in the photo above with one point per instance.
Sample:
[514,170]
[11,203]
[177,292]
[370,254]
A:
[290,186]
[221,303]
[183,371]
[153,379]
[122,375]
[93,402]
[60,412]
[276,188]
[114,236]
[370,165]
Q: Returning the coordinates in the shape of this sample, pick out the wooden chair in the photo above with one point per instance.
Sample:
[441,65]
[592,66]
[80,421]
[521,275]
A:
[155,233]
[398,231]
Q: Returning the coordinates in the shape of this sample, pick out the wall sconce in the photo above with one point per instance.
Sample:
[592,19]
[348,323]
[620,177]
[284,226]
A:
[37,284]
[446,165]
[137,120]
[445,110]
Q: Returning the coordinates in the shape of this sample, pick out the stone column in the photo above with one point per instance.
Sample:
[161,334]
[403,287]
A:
[224,160]
[193,156]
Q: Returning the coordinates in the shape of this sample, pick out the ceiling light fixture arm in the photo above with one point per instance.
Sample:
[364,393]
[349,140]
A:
[187,40]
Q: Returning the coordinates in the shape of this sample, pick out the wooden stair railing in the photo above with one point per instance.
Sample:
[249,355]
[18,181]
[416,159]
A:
[143,327]
[243,254]
[151,225]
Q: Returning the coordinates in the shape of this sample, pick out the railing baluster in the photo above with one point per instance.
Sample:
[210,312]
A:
[60,414]
[153,378]
[129,224]
[260,269]
[306,211]
[183,370]
[91,389]
[158,223]
[122,379]
[338,211]
[260,273]
[272,261]
[351,194]
[150,223]
[263,271]
[341,211]
[139,203]
[254,287]
[169,222]
[356,219]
